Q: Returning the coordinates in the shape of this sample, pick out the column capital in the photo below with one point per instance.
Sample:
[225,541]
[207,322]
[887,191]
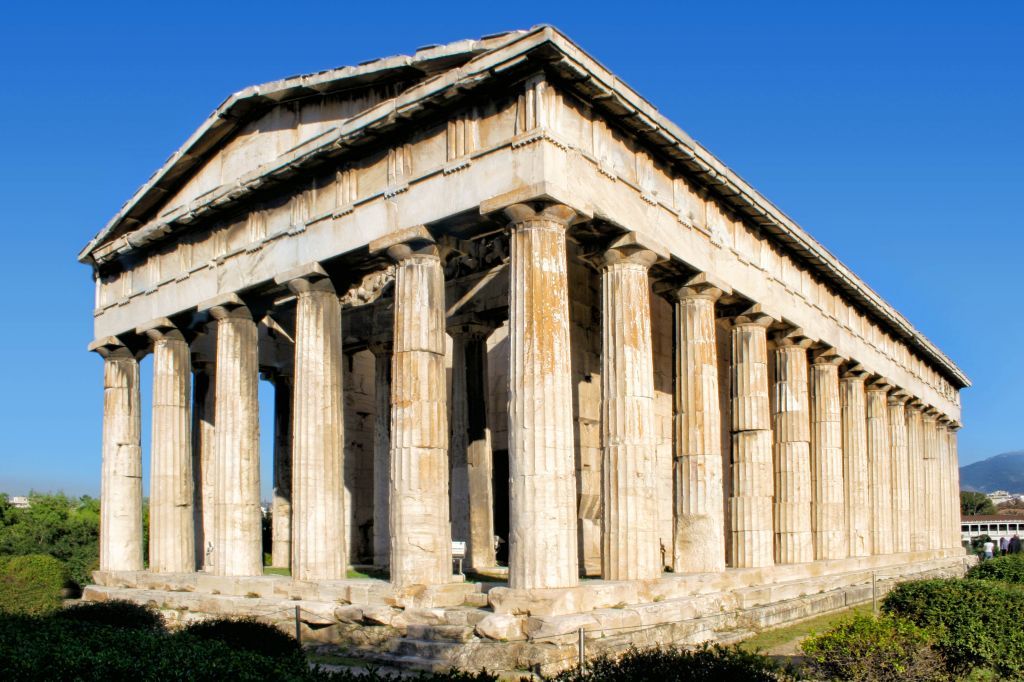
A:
[634,248]
[854,371]
[791,337]
[306,279]
[755,315]
[116,348]
[472,328]
[380,345]
[541,211]
[159,329]
[878,384]
[701,285]
[407,243]
[531,201]
[827,356]
[226,306]
[898,397]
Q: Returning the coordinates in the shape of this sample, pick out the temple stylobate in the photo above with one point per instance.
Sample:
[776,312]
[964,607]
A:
[512,315]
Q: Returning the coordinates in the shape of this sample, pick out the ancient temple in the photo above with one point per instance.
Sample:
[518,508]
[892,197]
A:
[500,296]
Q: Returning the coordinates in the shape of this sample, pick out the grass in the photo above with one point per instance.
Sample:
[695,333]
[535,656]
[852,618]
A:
[770,641]
[270,570]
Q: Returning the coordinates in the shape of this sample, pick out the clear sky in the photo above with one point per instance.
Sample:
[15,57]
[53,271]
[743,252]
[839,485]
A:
[891,131]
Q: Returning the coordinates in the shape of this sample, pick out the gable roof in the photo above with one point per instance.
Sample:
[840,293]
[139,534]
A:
[447,70]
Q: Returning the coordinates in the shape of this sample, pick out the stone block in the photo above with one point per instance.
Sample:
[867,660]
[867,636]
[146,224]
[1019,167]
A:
[502,627]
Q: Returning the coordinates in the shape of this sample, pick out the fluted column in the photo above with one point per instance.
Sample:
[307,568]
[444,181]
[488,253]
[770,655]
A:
[630,547]
[901,509]
[791,427]
[879,468]
[699,492]
[121,479]
[954,462]
[752,480]
[204,460]
[828,492]
[542,468]
[931,479]
[171,530]
[917,477]
[472,497]
[381,453]
[855,464]
[281,506]
[319,549]
[420,527]
[238,545]
[945,484]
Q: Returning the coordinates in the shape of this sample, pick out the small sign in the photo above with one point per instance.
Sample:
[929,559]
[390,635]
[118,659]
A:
[458,549]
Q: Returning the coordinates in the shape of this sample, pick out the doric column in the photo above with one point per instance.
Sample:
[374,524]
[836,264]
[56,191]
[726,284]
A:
[381,453]
[630,547]
[542,468]
[319,550]
[791,427]
[955,541]
[121,479]
[281,506]
[945,483]
[471,495]
[420,526]
[699,492]
[931,479]
[898,446]
[828,492]
[916,477]
[855,463]
[238,545]
[204,458]
[752,480]
[171,530]
[879,467]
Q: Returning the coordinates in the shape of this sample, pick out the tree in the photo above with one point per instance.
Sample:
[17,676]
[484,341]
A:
[975,504]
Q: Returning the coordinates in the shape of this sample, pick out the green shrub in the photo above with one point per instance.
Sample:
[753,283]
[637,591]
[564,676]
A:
[975,624]
[866,649]
[31,583]
[709,662]
[245,634]
[116,612]
[1008,569]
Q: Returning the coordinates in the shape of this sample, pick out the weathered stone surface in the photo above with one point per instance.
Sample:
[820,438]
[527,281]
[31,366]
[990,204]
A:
[237,543]
[318,535]
[630,541]
[828,496]
[855,464]
[902,514]
[382,454]
[501,627]
[791,426]
[281,509]
[879,448]
[930,458]
[699,494]
[917,478]
[542,481]
[204,458]
[751,501]
[171,538]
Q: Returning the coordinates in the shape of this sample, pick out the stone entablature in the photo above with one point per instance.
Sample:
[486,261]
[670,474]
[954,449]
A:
[499,258]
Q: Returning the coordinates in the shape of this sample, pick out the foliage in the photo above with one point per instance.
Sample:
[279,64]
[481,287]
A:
[31,583]
[116,612]
[867,649]
[709,662]
[1008,568]
[245,634]
[975,504]
[63,527]
[974,623]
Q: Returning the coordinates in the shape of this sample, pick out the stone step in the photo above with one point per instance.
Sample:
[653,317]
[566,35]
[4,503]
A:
[440,633]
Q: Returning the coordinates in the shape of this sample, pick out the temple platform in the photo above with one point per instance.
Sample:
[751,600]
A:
[472,625]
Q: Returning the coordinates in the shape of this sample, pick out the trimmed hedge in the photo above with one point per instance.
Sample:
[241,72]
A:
[710,663]
[31,583]
[1008,568]
[116,612]
[867,649]
[975,623]
[245,634]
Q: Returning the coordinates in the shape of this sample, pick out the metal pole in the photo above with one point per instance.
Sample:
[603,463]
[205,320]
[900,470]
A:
[298,629]
[583,651]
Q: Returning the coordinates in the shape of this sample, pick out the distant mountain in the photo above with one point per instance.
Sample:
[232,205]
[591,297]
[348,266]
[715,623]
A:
[1002,472]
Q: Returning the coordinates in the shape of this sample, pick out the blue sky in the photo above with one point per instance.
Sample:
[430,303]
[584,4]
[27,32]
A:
[891,131]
